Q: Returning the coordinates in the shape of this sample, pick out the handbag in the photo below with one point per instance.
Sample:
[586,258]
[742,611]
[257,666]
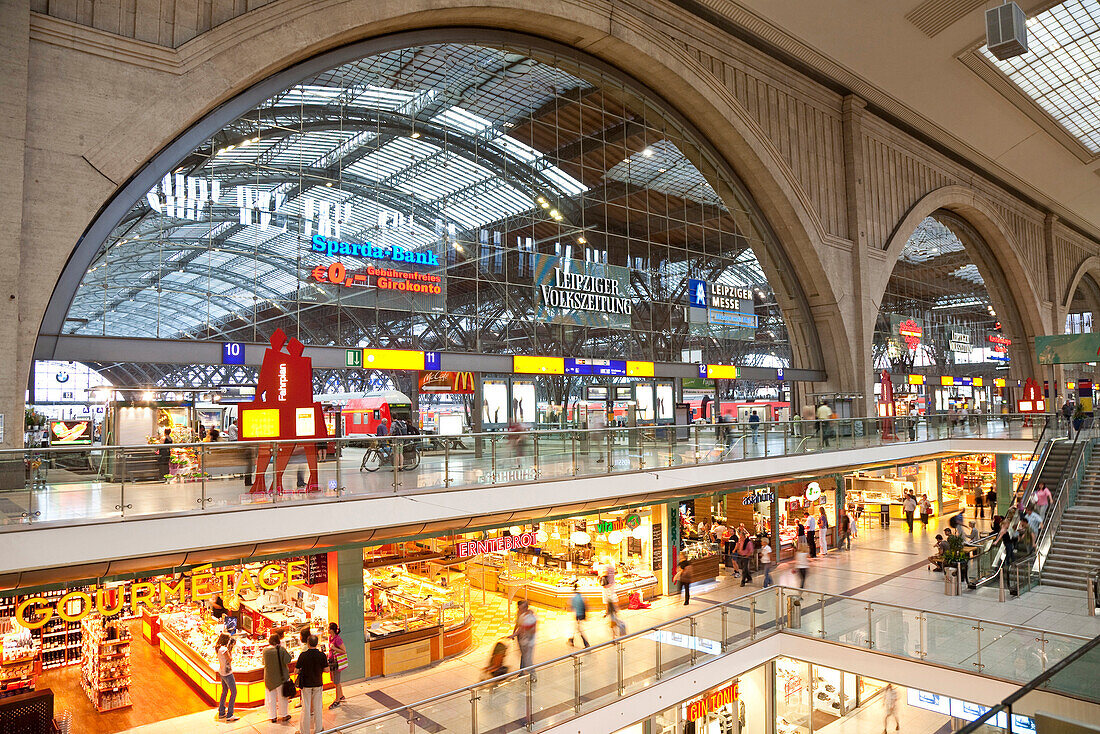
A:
[340,660]
[289,689]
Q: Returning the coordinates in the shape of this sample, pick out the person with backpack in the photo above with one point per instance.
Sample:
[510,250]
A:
[397,430]
[580,611]
[745,550]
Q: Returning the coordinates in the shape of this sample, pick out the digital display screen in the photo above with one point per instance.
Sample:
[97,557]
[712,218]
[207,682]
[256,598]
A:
[599,367]
[393,359]
[304,421]
[70,433]
[624,392]
[525,365]
[596,392]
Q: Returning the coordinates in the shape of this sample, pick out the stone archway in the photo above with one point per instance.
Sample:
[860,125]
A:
[235,51]
[997,256]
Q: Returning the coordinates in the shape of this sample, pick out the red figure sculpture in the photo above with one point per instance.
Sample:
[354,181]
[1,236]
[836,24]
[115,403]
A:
[285,385]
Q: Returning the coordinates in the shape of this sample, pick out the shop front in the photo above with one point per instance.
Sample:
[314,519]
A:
[964,477]
[122,645]
[881,491]
[797,500]
[797,697]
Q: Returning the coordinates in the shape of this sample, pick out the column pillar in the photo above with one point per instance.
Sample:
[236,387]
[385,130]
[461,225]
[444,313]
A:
[1003,479]
[345,601]
[16,334]
[861,327]
[1057,373]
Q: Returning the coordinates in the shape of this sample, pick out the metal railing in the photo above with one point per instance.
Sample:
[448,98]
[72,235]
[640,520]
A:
[1074,675]
[108,483]
[554,691]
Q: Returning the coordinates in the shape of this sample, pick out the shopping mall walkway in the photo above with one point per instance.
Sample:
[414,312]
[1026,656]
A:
[883,565]
[60,494]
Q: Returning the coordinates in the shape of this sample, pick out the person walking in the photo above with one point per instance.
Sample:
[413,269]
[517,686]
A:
[580,611]
[909,505]
[228,697]
[845,526]
[164,454]
[276,674]
[311,666]
[890,705]
[811,533]
[754,424]
[979,503]
[925,510]
[683,577]
[745,551]
[1043,499]
[801,564]
[991,501]
[766,562]
[337,661]
[524,633]
[822,531]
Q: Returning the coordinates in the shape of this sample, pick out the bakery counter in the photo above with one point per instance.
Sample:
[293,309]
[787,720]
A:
[558,596]
[396,652]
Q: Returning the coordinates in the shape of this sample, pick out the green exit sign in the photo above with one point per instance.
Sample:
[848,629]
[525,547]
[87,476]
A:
[353,358]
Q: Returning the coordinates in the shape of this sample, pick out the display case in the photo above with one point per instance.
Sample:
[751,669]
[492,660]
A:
[412,621]
[705,559]
[552,586]
[105,664]
[188,640]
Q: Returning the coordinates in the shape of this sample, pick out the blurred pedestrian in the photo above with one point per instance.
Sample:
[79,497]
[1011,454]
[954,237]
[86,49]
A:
[524,633]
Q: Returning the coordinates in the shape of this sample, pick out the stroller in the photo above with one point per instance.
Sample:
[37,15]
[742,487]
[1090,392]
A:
[496,666]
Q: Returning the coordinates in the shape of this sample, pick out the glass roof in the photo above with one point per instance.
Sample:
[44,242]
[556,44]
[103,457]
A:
[484,157]
[1061,69]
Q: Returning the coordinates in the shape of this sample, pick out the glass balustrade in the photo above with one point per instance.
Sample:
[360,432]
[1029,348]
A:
[100,483]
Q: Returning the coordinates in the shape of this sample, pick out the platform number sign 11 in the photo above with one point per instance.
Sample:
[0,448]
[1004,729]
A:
[232,353]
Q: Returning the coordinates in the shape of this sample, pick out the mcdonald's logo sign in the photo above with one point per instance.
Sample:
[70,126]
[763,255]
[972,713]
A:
[434,381]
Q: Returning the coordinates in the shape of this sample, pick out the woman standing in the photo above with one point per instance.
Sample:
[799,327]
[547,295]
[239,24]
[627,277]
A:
[823,530]
[224,649]
[276,673]
[337,661]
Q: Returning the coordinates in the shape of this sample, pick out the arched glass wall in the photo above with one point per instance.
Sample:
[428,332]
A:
[449,197]
[937,317]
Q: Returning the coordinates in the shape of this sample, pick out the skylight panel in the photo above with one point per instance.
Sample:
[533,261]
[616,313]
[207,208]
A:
[1061,69]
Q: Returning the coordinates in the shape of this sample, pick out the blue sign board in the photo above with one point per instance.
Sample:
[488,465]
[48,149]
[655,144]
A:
[697,293]
[431,360]
[779,374]
[599,367]
[232,353]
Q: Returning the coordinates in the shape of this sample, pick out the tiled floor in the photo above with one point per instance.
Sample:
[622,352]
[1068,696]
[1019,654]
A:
[884,566]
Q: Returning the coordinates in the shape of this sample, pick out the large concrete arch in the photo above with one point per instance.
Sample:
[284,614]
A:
[1001,263]
[218,66]
[1090,267]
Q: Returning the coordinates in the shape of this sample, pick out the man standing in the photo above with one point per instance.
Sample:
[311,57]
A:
[745,551]
[824,413]
[754,424]
[311,669]
[811,533]
[845,525]
[910,506]
[524,634]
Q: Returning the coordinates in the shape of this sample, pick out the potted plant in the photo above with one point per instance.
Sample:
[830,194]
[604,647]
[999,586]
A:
[955,559]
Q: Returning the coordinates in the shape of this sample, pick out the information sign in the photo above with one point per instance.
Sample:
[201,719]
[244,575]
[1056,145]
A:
[353,357]
[232,353]
[317,569]
[601,367]
[655,554]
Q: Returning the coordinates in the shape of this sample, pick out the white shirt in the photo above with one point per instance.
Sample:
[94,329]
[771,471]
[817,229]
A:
[824,412]
[766,554]
[811,524]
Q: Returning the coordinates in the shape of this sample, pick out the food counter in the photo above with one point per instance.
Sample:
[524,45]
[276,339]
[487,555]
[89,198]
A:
[411,621]
[553,588]
[706,561]
[188,640]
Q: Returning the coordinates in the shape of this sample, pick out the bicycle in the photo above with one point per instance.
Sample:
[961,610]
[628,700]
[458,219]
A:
[377,456]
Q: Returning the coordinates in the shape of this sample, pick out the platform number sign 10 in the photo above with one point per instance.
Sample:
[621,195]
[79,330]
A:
[232,353]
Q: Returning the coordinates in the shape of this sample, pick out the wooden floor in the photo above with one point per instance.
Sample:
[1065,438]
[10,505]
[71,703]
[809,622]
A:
[158,693]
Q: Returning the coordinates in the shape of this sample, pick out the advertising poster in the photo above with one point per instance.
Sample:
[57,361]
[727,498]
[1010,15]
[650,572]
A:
[1068,348]
[494,403]
[523,402]
[643,393]
[70,433]
[581,293]
[664,402]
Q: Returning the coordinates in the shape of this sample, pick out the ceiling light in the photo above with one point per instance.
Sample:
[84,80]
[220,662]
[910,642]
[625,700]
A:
[544,204]
[246,142]
[147,395]
[554,213]
[414,134]
[647,152]
[581,241]
[329,184]
[661,170]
